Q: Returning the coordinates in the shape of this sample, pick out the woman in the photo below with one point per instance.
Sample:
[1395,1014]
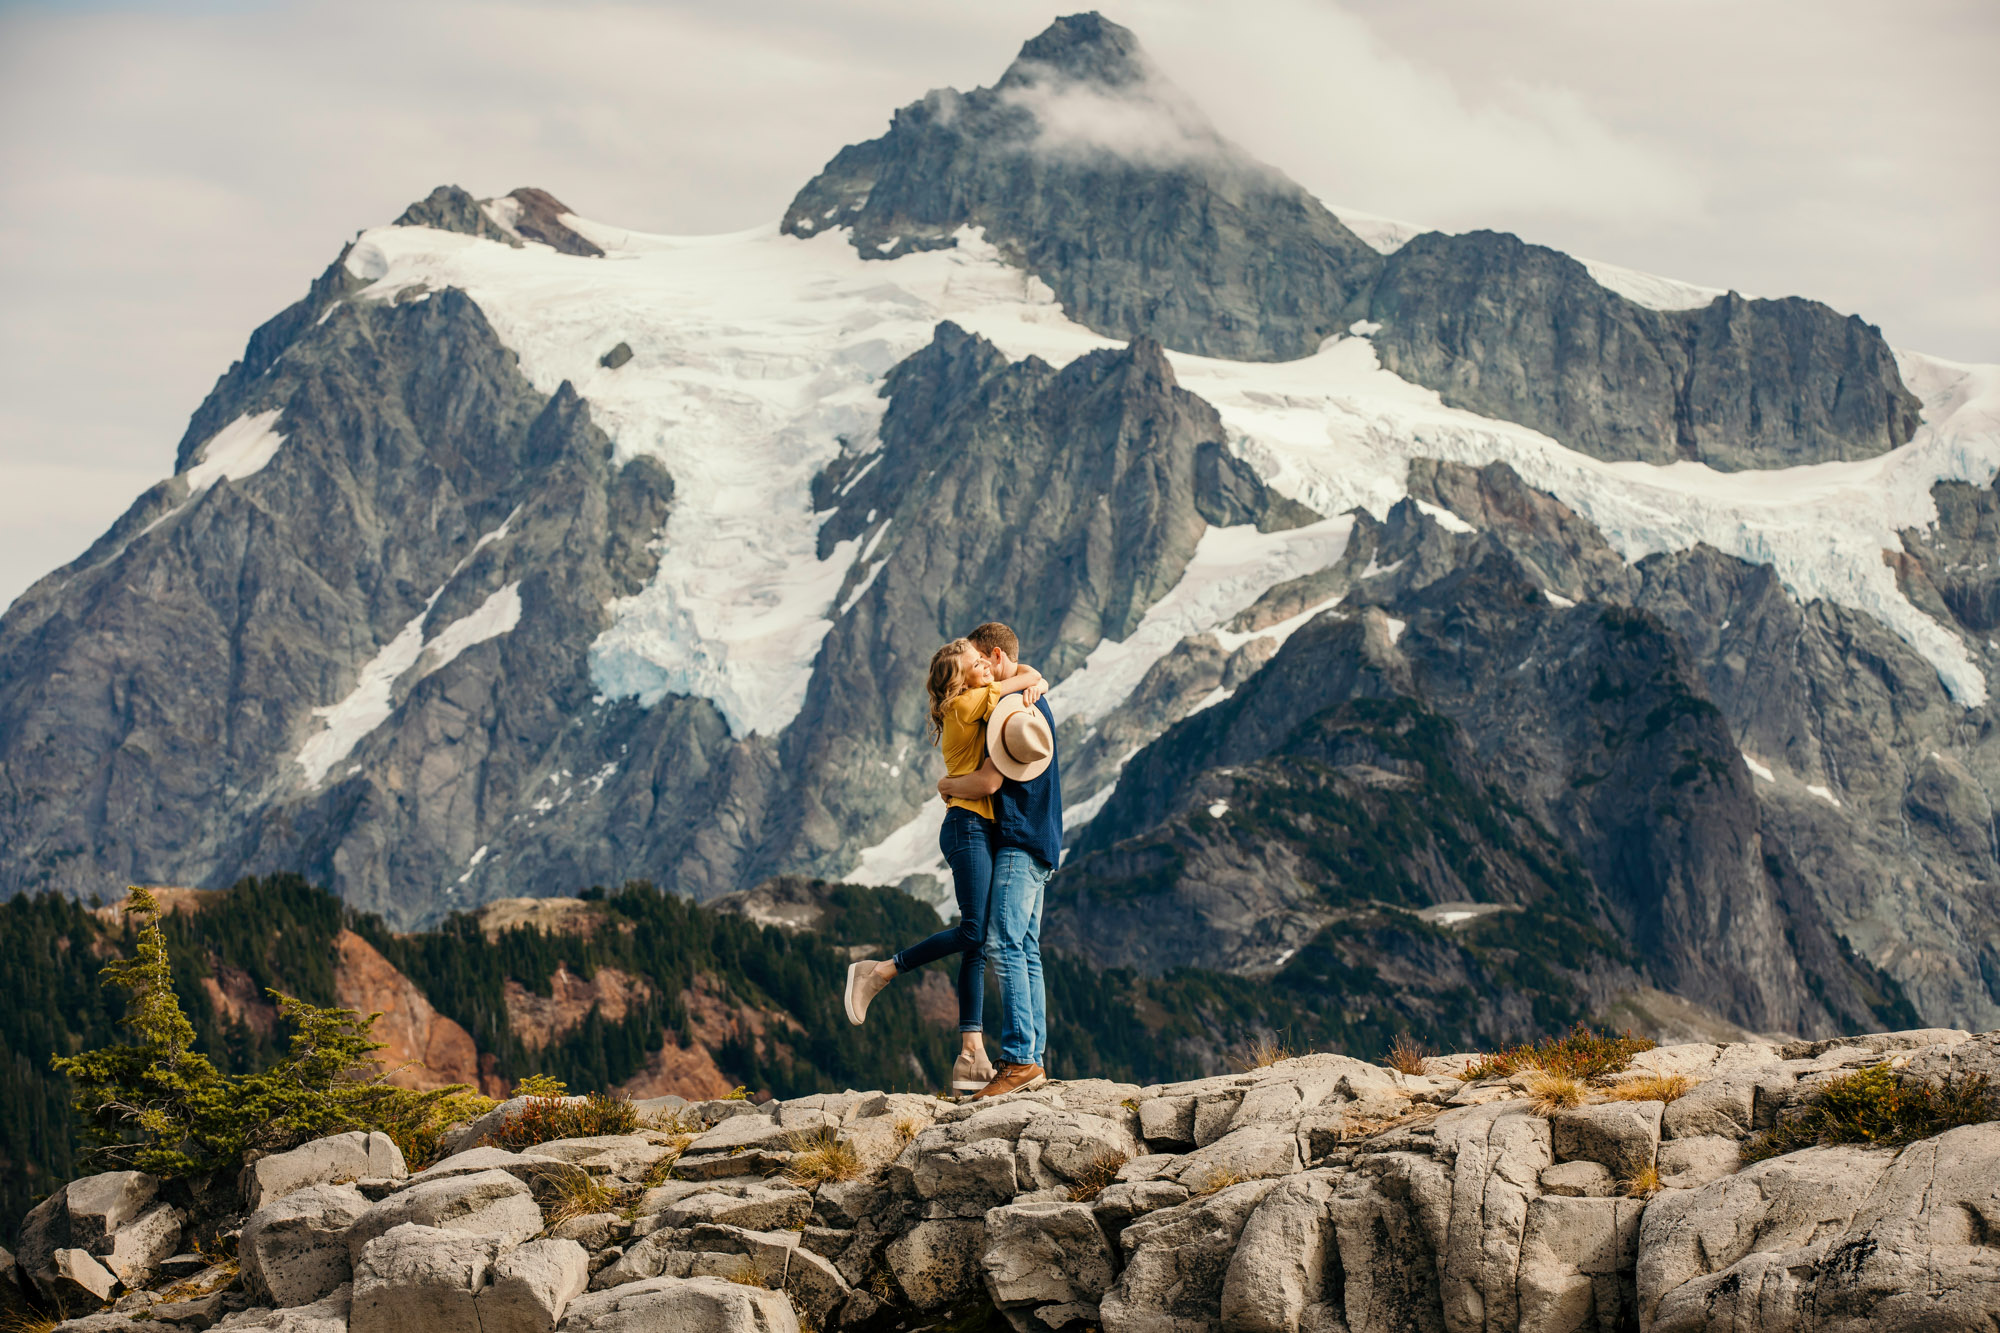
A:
[962,694]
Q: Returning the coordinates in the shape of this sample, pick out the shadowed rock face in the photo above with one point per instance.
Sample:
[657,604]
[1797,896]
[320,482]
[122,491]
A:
[1524,333]
[1063,502]
[1091,171]
[1160,229]
[1238,834]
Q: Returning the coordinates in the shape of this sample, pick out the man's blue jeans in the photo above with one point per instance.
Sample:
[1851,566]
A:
[1014,948]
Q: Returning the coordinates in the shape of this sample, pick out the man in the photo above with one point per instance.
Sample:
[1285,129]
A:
[1027,848]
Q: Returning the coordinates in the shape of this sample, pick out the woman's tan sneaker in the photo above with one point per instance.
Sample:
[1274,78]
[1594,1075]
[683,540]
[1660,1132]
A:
[971,1072]
[1013,1078]
[862,986]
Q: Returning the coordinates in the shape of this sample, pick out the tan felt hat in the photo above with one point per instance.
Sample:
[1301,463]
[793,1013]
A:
[1018,739]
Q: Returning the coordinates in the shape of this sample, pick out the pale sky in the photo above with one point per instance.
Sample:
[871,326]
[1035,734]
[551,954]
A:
[173,174]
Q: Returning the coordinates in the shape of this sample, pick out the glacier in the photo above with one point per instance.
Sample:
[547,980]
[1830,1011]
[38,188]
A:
[759,358]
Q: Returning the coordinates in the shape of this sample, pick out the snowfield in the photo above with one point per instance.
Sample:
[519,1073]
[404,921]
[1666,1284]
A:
[758,358]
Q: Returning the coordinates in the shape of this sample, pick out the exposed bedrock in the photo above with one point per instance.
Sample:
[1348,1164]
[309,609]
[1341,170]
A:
[1310,1195]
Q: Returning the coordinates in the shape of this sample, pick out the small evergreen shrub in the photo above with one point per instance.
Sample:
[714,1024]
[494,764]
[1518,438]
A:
[1874,1106]
[545,1119]
[158,1105]
[1581,1053]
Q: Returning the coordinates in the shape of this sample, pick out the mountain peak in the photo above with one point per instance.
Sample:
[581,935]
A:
[1086,48]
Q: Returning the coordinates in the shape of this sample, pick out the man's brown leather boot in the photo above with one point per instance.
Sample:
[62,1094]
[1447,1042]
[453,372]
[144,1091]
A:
[1013,1078]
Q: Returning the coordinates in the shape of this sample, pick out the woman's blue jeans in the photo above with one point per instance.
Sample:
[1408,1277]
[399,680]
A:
[967,843]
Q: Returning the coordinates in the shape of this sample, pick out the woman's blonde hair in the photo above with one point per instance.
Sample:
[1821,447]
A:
[942,683]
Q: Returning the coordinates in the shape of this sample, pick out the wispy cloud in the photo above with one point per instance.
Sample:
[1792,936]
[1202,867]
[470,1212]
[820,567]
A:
[171,174]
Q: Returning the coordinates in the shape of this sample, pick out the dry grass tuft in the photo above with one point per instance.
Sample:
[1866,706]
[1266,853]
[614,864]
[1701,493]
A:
[1552,1091]
[1652,1088]
[908,1128]
[573,1196]
[1581,1053]
[1406,1054]
[1263,1052]
[1096,1176]
[1643,1183]
[746,1276]
[818,1156]
[673,1122]
[1217,1181]
[23,1321]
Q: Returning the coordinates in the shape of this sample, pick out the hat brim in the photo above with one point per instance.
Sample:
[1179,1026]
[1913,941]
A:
[996,745]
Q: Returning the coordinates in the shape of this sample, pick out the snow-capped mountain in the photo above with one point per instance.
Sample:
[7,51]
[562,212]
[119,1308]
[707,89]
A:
[527,551]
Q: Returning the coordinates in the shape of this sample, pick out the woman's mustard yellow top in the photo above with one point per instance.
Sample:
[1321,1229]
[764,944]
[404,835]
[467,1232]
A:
[964,742]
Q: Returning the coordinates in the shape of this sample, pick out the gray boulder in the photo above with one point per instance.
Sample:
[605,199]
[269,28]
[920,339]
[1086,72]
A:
[706,1250]
[338,1159]
[75,1275]
[294,1251]
[1755,1236]
[815,1286]
[1046,1254]
[1579,1180]
[1687,1163]
[99,1205]
[936,1263]
[1724,1107]
[486,1202]
[1168,1122]
[1177,1260]
[754,1207]
[1623,1136]
[1282,1259]
[531,1285]
[542,1173]
[1920,1251]
[681,1305]
[420,1279]
[135,1250]
[328,1314]
[1576,1263]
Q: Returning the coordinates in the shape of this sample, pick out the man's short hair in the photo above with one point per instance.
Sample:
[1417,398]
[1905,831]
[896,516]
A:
[994,636]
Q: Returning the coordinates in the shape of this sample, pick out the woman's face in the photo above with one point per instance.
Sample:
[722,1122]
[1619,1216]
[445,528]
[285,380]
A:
[974,670]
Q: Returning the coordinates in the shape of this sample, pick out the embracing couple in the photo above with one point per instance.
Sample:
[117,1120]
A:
[1002,837]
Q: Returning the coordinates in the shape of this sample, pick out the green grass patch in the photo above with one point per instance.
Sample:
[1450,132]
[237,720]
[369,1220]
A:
[1874,1106]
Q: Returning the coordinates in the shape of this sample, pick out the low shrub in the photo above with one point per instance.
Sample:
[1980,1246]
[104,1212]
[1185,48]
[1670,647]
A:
[1875,1106]
[1218,1180]
[1582,1053]
[545,1119]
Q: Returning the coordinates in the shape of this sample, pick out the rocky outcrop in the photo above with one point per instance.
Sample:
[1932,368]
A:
[1524,333]
[1316,1193]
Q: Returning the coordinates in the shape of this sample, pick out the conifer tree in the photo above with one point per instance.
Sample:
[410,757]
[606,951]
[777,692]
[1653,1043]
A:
[147,1104]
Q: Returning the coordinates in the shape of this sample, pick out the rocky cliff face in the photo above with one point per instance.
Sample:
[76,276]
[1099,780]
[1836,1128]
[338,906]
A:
[1314,1193]
[526,553]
